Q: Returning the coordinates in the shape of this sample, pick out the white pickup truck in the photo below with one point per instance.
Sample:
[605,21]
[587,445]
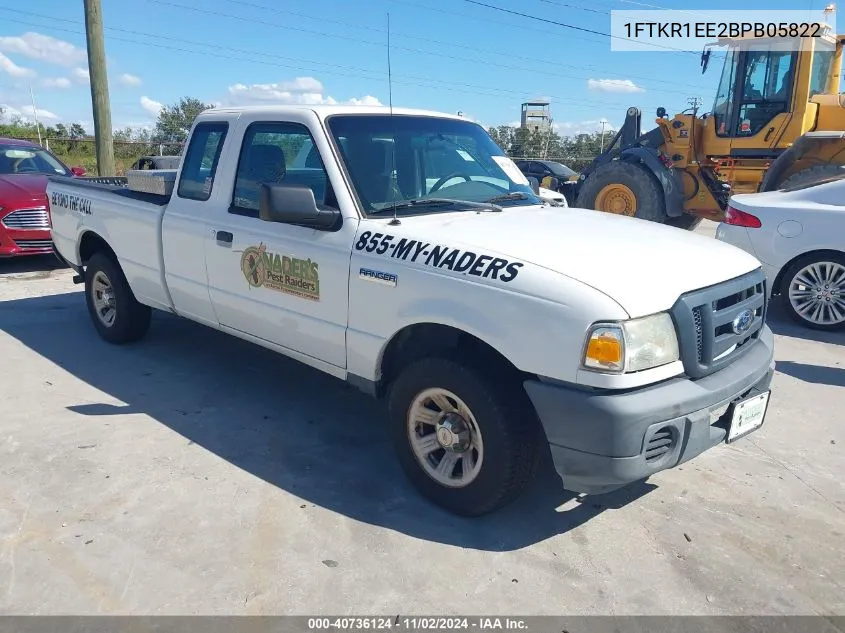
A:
[405,253]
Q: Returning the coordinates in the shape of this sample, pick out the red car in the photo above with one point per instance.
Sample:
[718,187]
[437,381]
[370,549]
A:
[24,215]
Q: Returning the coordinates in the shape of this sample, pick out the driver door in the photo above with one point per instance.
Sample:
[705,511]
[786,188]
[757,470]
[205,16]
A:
[281,283]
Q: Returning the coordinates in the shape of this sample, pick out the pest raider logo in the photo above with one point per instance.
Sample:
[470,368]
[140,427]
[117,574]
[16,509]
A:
[263,269]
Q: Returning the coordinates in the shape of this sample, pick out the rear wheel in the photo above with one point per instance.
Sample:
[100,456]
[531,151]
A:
[813,291]
[464,438]
[116,314]
[624,188]
[813,174]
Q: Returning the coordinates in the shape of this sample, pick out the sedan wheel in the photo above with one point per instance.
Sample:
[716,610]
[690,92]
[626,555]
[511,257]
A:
[815,292]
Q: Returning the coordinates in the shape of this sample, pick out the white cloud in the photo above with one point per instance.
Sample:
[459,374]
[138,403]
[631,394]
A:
[56,82]
[153,107]
[614,85]
[11,68]
[130,80]
[43,48]
[301,84]
[80,75]
[369,100]
[300,91]
[25,112]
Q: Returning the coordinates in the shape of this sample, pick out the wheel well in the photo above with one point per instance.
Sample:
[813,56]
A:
[776,284]
[92,243]
[421,340]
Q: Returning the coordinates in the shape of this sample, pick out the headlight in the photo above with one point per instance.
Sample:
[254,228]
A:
[633,345]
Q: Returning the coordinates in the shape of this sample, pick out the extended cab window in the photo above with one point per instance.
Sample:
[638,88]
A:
[278,153]
[201,159]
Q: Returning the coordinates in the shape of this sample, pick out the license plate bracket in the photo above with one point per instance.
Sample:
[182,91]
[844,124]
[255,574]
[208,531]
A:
[747,416]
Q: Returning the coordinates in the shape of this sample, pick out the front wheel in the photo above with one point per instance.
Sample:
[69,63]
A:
[116,314]
[464,439]
[813,291]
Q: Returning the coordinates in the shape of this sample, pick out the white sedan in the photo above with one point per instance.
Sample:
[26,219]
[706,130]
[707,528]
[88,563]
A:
[799,236]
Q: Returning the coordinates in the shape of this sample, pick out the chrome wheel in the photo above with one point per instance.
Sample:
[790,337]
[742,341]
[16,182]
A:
[102,296]
[817,293]
[445,438]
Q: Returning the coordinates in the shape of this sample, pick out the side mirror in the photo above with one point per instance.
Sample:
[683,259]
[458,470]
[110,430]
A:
[534,183]
[294,205]
[78,171]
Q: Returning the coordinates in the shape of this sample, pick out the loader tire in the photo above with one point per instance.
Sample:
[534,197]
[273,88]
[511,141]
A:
[808,176]
[624,188]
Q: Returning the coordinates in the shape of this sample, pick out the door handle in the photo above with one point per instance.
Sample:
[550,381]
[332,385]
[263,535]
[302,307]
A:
[225,236]
[768,134]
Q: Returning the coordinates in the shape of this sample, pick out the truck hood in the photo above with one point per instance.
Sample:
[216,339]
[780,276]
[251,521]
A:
[17,189]
[643,266]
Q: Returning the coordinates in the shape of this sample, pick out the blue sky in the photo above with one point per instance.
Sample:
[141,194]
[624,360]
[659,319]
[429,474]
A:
[447,55]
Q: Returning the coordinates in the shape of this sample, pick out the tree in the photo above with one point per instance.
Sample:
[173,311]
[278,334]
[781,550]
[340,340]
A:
[174,121]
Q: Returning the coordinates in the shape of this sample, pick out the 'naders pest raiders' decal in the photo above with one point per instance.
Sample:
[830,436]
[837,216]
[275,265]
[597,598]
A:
[437,256]
[263,269]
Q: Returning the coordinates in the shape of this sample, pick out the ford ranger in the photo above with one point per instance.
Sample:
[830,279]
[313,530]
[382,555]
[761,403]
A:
[404,252]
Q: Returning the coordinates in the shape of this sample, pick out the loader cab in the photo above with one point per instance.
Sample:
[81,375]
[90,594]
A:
[766,82]
[756,85]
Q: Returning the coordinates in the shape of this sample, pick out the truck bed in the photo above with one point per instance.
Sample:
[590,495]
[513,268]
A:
[120,190]
[129,221]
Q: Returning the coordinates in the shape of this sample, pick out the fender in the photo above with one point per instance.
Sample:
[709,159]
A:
[673,191]
[774,175]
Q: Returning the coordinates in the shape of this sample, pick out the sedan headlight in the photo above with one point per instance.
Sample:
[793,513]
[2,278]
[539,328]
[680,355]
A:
[633,345]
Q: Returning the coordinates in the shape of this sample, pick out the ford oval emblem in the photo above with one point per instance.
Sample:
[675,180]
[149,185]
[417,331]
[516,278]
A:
[742,323]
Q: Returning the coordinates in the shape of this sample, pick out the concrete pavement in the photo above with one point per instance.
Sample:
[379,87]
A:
[193,473]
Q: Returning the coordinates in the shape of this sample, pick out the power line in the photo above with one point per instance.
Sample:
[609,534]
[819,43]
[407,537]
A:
[486,51]
[565,25]
[574,6]
[380,44]
[459,86]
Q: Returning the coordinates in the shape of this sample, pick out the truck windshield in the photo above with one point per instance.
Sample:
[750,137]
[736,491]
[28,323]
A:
[22,159]
[395,160]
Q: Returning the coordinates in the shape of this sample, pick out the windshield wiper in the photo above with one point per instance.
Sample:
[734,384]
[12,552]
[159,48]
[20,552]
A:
[516,195]
[427,202]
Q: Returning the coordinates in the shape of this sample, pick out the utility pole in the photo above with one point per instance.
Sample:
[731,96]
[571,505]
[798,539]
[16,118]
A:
[35,115]
[99,87]
[603,123]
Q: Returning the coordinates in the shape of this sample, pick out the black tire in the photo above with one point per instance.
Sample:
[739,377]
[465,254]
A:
[131,319]
[786,281]
[510,433]
[686,221]
[812,174]
[651,204]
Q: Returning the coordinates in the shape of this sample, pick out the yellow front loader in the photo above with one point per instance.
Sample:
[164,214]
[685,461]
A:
[778,120]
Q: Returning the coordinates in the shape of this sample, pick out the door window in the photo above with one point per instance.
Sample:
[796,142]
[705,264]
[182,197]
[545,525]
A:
[278,153]
[767,89]
[822,60]
[723,105]
[200,167]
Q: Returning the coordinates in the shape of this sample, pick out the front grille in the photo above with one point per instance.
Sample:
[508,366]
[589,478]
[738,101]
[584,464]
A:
[33,244]
[699,331]
[659,444]
[709,322]
[27,219]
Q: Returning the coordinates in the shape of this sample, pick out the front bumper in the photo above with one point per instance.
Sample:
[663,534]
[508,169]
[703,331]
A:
[599,440]
[18,242]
